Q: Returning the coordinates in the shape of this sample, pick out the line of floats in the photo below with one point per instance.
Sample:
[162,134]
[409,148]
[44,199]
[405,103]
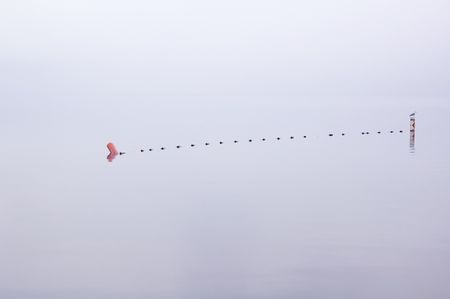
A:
[113,152]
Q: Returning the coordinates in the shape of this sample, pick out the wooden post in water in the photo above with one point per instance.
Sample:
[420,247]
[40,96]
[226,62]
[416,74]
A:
[412,132]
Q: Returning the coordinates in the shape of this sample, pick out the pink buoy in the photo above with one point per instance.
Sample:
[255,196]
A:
[112,152]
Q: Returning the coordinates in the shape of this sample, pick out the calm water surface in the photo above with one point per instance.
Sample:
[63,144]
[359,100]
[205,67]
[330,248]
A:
[354,216]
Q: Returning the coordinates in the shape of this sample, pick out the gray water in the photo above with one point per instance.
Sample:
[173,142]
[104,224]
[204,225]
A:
[351,217]
[354,216]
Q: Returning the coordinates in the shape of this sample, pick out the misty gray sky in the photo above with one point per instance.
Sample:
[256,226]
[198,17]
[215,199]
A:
[235,48]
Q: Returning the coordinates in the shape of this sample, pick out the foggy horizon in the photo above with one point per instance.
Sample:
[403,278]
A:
[339,214]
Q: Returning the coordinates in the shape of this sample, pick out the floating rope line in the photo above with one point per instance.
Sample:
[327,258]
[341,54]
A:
[113,152]
[251,140]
